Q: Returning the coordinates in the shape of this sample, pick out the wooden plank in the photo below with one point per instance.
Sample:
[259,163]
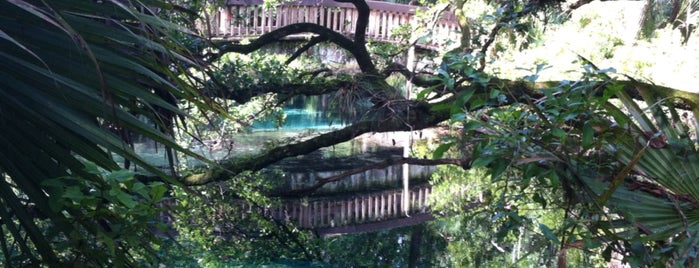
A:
[394,205]
[259,13]
[301,220]
[372,24]
[386,28]
[337,22]
[293,15]
[367,206]
[355,18]
[382,211]
[343,21]
[313,16]
[357,211]
[393,25]
[298,13]
[245,20]
[224,21]
[270,20]
[341,219]
[322,215]
[235,22]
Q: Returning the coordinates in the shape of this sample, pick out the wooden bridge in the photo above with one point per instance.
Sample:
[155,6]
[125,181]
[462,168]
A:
[357,214]
[250,18]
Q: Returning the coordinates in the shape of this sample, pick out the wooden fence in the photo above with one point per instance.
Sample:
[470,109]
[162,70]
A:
[249,18]
[373,207]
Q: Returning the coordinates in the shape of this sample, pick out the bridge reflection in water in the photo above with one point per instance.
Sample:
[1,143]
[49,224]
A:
[355,214]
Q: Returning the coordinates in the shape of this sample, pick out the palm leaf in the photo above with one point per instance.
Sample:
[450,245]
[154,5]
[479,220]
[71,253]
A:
[69,67]
[660,200]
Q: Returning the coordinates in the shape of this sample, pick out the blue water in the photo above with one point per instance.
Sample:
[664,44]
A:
[298,119]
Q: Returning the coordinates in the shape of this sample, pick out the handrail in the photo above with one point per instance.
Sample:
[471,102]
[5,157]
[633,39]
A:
[248,18]
[373,5]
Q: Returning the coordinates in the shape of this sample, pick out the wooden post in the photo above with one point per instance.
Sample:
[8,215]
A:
[224,22]
[377,202]
[357,212]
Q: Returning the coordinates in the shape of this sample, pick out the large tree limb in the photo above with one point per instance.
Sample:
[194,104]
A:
[279,34]
[360,51]
[421,116]
[357,49]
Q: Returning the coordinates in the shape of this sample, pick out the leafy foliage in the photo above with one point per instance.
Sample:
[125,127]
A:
[230,222]
[128,210]
[75,74]
[610,178]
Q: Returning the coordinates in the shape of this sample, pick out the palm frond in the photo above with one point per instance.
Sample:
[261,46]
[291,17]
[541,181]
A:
[660,201]
[68,68]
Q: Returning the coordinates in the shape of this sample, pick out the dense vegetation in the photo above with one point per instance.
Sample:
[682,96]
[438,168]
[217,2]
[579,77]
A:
[550,167]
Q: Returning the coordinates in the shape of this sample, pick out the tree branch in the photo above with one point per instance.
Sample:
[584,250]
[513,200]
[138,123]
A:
[363,13]
[279,34]
[576,5]
[314,41]
[417,79]
[357,49]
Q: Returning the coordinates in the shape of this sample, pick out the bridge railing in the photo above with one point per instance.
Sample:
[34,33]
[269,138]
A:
[249,18]
[352,210]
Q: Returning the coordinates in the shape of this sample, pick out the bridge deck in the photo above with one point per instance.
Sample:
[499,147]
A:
[365,212]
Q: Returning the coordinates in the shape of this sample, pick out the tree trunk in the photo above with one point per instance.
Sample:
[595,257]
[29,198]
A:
[415,242]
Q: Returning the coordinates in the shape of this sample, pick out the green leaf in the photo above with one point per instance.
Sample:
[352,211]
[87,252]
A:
[441,107]
[592,243]
[472,124]
[73,193]
[108,241]
[554,180]
[559,133]
[141,189]
[609,91]
[499,166]
[158,190]
[458,117]
[441,149]
[120,175]
[126,199]
[494,93]
[464,98]
[476,103]
[423,93]
[548,233]
[482,161]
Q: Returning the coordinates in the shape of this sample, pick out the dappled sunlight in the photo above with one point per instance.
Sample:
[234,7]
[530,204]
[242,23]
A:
[606,33]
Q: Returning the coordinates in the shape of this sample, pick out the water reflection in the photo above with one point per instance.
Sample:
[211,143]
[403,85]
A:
[303,171]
